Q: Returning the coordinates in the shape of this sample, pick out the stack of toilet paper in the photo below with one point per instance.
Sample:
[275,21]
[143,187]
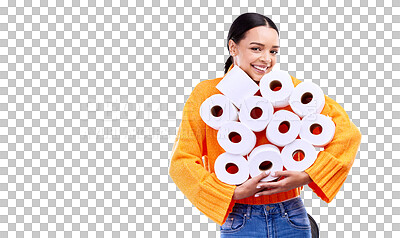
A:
[237,113]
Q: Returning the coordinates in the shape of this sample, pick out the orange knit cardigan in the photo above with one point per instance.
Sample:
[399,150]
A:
[196,149]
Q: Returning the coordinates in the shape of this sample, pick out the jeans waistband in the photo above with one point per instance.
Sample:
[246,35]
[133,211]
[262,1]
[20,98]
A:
[271,208]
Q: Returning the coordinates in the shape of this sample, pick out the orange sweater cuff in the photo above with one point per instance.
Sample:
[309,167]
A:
[215,199]
[328,175]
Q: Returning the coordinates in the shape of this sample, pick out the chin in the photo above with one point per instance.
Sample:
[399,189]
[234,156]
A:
[257,80]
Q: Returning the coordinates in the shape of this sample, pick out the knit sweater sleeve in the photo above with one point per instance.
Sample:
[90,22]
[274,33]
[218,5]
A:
[203,189]
[333,164]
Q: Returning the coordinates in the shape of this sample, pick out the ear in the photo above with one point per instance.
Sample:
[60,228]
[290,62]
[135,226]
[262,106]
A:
[232,48]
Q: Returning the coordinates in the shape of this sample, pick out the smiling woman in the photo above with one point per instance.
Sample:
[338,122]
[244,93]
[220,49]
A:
[256,208]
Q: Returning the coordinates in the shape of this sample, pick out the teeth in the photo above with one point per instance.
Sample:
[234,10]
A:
[259,68]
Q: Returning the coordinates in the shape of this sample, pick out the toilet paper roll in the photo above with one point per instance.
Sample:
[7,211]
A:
[237,86]
[265,157]
[236,138]
[277,86]
[298,146]
[240,167]
[283,128]
[266,146]
[307,98]
[317,129]
[256,112]
[216,110]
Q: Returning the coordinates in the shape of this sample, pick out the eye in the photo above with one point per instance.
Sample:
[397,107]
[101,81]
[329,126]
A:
[256,48]
[274,52]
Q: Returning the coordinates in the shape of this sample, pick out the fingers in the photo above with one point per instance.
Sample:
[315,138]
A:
[268,192]
[269,188]
[263,175]
[289,181]
[281,173]
[270,184]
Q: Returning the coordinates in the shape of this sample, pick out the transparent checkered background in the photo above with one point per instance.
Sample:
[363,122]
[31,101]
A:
[92,92]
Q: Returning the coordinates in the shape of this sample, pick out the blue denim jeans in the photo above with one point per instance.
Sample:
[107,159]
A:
[284,219]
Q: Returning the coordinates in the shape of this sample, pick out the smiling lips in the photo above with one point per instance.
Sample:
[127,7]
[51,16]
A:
[260,68]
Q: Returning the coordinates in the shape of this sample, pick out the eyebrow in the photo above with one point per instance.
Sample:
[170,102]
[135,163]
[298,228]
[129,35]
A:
[275,46]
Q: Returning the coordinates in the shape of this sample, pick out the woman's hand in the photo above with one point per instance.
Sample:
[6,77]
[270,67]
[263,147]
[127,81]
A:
[291,180]
[248,188]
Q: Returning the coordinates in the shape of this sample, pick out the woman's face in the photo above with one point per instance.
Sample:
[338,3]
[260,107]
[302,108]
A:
[256,52]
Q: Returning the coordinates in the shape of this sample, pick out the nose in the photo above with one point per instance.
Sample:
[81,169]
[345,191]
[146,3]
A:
[265,57]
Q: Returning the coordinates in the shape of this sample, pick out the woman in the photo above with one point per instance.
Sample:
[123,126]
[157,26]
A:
[254,208]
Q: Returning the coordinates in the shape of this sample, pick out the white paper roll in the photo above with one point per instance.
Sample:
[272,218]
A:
[280,119]
[318,122]
[266,146]
[237,86]
[276,86]
[302,146]
[216,110]
[224,161]
[256,112]
[259,158]
[307,98]
[236,138]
